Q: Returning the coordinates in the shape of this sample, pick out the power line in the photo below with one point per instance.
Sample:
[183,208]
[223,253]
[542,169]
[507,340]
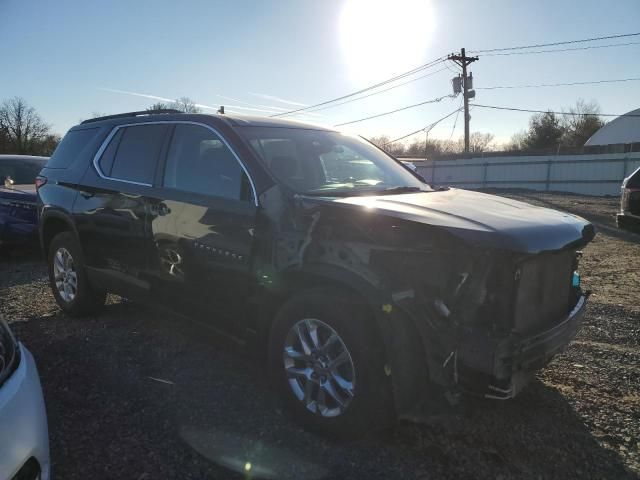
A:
[567,42]
[633,79]
[556,113]
[442,60]
[590,47]
[451,69]
[455,122]
[380,84]
[379,91]
[435,100]
[427,128]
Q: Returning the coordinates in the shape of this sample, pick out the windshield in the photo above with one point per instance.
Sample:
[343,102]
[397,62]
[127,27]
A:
[320,162]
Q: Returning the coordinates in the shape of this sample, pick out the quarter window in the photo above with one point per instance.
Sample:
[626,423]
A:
[106,160]
[198,161]
[73,143]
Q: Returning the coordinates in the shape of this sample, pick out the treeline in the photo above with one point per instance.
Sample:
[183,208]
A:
[23,131]
[546,133]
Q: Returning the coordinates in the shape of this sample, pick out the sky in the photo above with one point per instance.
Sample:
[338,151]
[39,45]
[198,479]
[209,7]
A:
[71,58]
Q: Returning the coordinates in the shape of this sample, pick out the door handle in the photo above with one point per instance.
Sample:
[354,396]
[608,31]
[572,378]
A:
[86,195]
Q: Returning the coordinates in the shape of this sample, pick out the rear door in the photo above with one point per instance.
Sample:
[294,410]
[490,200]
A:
[112,208]
[202,226]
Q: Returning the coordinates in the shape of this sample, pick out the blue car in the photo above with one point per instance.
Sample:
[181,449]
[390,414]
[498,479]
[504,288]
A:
[18,213]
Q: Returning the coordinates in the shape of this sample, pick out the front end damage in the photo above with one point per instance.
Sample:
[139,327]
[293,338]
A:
[473,303]
[488,320]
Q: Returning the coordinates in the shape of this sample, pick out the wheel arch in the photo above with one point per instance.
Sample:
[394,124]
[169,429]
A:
[405,356]
[53,222]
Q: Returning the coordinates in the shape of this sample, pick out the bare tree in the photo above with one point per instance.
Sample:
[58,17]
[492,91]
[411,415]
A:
[159,106]
[186,105]
[449,147]
[4,140]
[516,142]
[397,149]
[421,147]
[581,122]
[47,145]
[23,129]
[480,142]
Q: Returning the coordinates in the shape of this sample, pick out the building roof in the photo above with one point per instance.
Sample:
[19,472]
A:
[624,129]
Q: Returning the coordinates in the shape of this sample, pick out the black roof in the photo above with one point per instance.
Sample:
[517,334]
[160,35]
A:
[230,119]
[256,121]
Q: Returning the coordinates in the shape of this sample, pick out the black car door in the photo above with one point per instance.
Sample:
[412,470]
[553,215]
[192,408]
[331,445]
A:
[202,226]
[112,209]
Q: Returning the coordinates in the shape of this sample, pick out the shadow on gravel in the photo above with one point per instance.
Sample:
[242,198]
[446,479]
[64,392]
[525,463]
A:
[136,394]
[17,268]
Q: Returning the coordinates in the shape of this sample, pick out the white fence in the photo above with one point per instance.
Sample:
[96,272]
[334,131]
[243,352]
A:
[599,174]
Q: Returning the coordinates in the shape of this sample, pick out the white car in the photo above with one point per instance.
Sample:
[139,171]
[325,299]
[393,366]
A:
[24,437]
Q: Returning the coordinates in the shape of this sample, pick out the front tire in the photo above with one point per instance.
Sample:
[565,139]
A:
[68,278]
[328,364]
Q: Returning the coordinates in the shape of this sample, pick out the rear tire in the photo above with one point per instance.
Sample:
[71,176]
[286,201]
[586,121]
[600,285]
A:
[68,278]
[337,386]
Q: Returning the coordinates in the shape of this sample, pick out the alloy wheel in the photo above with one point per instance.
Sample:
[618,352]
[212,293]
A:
[65,275]
[319,367]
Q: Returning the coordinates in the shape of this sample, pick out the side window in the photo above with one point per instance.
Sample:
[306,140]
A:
[134,158]
[198,161]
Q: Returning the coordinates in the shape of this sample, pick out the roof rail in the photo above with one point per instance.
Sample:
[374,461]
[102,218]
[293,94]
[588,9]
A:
[132,114]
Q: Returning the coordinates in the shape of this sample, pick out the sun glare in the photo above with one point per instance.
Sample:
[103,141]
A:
[381,38]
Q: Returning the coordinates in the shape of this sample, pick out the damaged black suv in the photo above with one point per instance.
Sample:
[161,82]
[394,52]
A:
[367,286]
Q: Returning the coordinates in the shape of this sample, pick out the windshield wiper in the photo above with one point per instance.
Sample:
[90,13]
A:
[359,192]
[392,190]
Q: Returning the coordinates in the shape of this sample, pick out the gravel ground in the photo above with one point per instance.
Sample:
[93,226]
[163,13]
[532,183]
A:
[136,393]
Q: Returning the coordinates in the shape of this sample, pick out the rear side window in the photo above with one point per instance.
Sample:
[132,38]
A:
[198,161]
[71,146]
[136,154]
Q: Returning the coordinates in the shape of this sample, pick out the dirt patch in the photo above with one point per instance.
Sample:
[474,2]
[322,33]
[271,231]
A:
[134,393]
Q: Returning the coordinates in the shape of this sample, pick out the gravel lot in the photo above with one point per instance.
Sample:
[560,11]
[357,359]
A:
[136,393]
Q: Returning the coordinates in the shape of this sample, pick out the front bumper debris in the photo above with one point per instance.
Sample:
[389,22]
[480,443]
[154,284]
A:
[500,369]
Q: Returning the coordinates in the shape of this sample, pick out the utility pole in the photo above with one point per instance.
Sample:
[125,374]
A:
[467,92]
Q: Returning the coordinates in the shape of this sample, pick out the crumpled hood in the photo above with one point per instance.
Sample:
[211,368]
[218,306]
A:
[482,219]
